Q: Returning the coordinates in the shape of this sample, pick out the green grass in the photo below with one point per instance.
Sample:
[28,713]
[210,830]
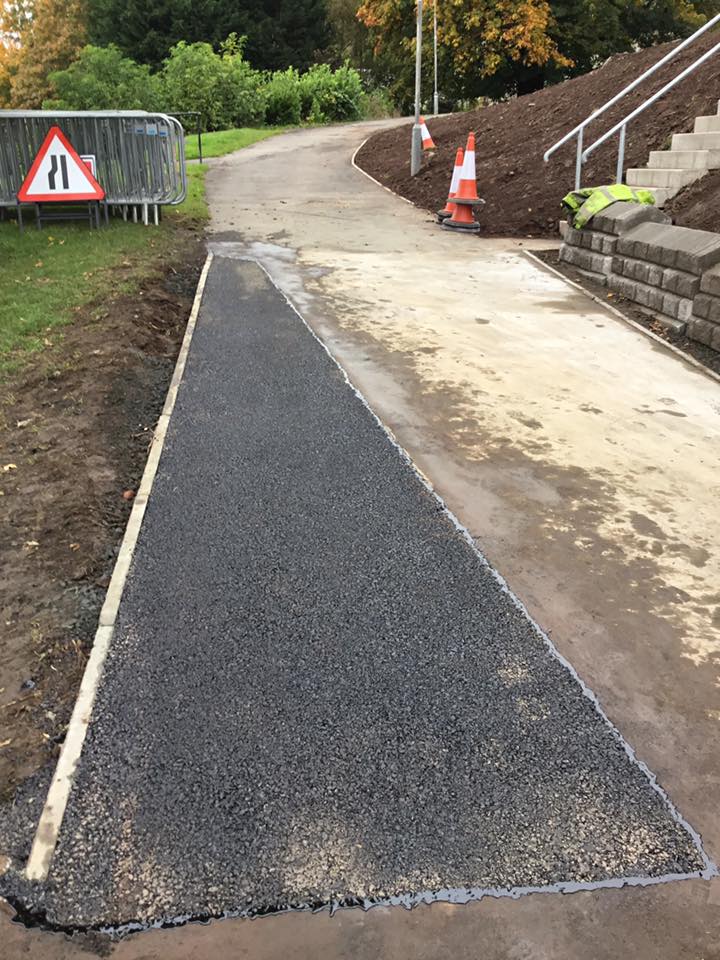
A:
[47,274]
[220,142]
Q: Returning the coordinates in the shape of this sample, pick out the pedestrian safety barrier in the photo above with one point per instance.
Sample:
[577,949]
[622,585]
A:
[139,156]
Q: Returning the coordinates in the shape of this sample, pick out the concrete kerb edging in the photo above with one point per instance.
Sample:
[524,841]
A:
[48,828]
[628,320]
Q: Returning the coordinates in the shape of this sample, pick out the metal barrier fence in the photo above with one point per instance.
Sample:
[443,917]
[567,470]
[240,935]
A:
[140,157]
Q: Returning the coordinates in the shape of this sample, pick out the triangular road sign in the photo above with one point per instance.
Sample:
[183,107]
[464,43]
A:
[58,173]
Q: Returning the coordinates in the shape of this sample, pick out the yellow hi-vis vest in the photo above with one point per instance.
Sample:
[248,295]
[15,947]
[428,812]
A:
[582,205]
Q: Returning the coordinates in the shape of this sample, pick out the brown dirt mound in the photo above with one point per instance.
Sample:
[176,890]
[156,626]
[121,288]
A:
[522,193]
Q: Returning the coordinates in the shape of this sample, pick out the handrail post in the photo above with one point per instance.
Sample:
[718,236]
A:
[621,155]
[578,159]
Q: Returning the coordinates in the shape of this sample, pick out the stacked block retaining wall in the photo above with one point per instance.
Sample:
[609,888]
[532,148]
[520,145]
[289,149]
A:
[671,271]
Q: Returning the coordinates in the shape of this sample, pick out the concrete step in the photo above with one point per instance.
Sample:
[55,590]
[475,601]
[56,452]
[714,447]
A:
[696,141]
[661,194]
[707,124]
[685,159]
[660,178]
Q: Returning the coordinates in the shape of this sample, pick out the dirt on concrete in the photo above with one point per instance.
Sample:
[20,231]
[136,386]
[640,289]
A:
[523,193]
[698,205]
[75,426]
[705,355]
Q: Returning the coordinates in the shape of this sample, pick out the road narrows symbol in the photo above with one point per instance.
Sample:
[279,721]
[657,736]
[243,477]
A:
[58,173]
[54,169]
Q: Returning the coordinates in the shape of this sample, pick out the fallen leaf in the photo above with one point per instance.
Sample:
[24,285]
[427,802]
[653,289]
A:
[128,494]
[74,546]
[6,743]
[23,423]
[39,263]
[8,467]
[31,544]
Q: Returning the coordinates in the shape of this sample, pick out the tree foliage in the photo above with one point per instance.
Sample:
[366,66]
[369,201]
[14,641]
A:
[224,88]
[501,47]
[101,79]
[50,33]
[280,33]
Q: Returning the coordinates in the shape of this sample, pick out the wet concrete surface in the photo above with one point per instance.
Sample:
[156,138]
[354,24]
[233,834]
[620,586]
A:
[678,921]
[316,690]
[456,341]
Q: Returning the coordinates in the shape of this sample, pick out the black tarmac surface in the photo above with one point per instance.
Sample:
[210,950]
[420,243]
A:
[316,690]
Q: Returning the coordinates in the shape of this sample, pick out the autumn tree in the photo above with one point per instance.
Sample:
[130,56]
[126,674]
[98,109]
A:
[501,47]
[40,37]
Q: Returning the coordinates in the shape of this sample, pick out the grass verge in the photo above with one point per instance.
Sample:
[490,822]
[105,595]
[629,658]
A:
[220,142]
[47,275]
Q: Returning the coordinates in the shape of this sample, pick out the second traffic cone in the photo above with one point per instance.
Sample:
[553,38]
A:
[449,207]
[427,140]
[466,197]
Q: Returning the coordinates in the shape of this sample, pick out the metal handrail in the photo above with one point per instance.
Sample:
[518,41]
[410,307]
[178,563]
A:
[580,128]
[622,124]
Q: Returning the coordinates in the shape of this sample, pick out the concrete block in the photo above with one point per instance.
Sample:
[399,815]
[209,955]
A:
[702,160]
[602,243]
[622,285]
[655,275]
[621,217]
[678,327]
[684,310]
[696,141]
[710,124]
[642,294]
[715,342]
[641,271]
[671,305]
[681,247]
[585,259]
[681,283]
[710,281]
[618,265]
[564,228]
[707,307]
[656,299]
[700,258]
[701,330]
[601,278]
[655,177]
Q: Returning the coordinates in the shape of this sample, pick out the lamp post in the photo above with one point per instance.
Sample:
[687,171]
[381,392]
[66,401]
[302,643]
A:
[416,144]
[435,91]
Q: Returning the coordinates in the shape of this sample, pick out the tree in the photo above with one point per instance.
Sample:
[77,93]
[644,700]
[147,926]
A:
[478,39]
[102,79]
[500,47]
[46,36]
[279,33]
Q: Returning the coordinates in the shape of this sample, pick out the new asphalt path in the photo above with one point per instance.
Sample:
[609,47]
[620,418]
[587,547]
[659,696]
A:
[317,690]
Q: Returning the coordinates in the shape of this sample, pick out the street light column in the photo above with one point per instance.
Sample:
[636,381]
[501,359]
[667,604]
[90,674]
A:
[436,109]
[416,145]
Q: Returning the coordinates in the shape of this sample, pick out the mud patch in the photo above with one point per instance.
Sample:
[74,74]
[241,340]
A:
[75,427]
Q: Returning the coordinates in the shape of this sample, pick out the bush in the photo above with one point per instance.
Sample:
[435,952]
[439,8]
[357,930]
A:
[102,79]
[378,104]
[223,87]
[282,98]
[326,96]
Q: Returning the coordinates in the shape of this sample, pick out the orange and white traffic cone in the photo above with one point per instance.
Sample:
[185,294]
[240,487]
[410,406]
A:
[427,140]
[466,197]
[449,207]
